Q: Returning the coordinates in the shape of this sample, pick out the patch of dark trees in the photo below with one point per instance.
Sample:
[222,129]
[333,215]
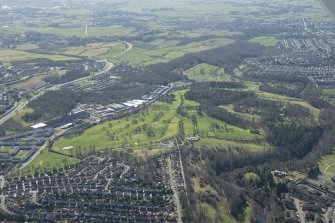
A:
[124,91]
[229,57]
[209,85]
[155,75]
[243,101]
[168,98]
[12,218]
[294,90]
[216,96]
[289,85]
[269,78]
[11,125]
[47,62]
[231,186]
[54,104]
[226,168]
[294,139]
[299,147]
[224,115]
[313,96]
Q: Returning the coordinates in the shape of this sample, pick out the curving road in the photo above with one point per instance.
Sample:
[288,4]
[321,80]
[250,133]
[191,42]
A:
[21,105]
[38,152]
[129,47]
[3,206]
[330,165]
[107,67]
[16,108]
[2,182]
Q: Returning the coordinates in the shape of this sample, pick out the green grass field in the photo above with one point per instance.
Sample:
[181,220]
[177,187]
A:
[328,91]
[157,123]
[250,117]
[5,149]
[16,55]
[47,161]
[27,47]
[276,97]
[210,127]
[28,84]
[98,50]
[254,147]
[206,73]
[19,114]
[265,40]
[78,31]
[327,164]
[162,53]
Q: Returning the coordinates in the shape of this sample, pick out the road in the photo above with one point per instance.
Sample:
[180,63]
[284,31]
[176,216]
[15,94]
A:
[327,215]
[108,183]
[329,167]
[33,197]
[2,182]
[300,211]
[108,67]
[38,152]
[46,144]
[175,191]
[129,47]
[182,172]
[304,22]
[3,204]
[126,169]
[21,105]
[227,211]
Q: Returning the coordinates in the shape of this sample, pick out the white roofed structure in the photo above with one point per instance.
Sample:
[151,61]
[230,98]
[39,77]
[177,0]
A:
[38,126]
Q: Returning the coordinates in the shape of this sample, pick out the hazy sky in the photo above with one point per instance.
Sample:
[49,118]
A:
[330,5]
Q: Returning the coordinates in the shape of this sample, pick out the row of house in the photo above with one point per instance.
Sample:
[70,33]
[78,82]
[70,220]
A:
[99,187]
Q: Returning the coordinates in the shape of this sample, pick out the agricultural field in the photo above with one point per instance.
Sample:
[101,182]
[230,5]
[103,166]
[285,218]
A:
[25,47]
[207,73]
[164,54]
[157,123]
[28,84]
[78,31]
[328,91]
[267,41]
[8,56]
[98,50]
